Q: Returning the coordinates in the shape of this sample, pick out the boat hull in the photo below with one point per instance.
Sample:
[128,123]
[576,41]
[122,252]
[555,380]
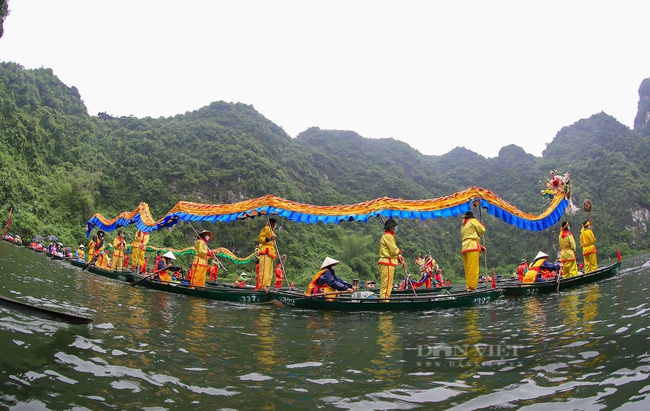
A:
[115,275]
[239,295]
[533,289]
[401,303]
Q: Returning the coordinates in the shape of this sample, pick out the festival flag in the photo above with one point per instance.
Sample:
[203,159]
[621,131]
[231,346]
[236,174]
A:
[11,210]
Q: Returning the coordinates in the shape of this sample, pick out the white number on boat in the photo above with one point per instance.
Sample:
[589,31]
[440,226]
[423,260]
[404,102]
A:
[288,301]
[532,291]
[248,298]
[481,300]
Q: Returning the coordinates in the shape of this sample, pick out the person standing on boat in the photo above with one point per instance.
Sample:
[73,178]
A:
[279,271]
[267,253]
[214,271]
[102,260]
[80,254]
[119,247]
[568,251]
[327,282]
[588,244]
[200,262]
[539,266]
[470,236]
[389,256]
[139,250]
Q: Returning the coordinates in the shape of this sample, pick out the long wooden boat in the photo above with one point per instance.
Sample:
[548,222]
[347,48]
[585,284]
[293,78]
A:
[418,291]
[115,275]
[532,289]
[222,293]
[41,312]
[349,302]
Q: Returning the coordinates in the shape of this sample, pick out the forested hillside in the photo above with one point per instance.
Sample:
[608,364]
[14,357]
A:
[59,166]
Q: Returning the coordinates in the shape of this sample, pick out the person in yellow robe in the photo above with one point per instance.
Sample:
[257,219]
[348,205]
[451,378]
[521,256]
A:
[568,251]
[470,236]
[267,253]
[119,247]
[200,263]
[99,250]
[588,244]
[139,250]
[389,256]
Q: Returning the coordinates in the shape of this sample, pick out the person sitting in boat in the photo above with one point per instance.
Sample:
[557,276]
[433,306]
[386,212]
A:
[18,240]
[406,284]
[327,282]
[80,255]
[164,265]
[537,269]
[279,271]
[241,280]
[213,270]
[521,270]
[370,285]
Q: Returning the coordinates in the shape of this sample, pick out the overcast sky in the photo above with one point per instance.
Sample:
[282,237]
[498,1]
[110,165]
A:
[434,74]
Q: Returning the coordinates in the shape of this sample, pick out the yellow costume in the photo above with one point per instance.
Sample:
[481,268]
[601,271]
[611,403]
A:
[389,255]
[588,244]
[139,249]
[119,247]
[267,255]
[470,237]
[568,252]
[200,263]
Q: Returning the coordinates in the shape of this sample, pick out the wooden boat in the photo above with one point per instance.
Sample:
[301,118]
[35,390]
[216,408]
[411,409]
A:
[42,312]
[353,302]
[418,291]
[222,293]
[115,275]
[531,289]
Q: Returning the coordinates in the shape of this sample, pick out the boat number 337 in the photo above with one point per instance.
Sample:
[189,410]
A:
[248,298]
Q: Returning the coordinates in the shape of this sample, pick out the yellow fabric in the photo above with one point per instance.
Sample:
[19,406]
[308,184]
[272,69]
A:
[268,246]
[82,255]
[383,203]
[387,278]
[139,249]
[588,244]
[200,263]
[388,250]
[470,235]
[165,277]
[471,265]
[568,255]
[266,271]
[533,270]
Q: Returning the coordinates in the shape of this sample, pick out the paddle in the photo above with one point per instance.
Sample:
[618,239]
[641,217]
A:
[90,262]
[133,284]
[42,312]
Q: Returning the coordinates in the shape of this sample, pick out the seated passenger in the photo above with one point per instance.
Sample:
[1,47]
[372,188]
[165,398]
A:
[522,269]
[326,281]
[81,254]
[539,265]
[370,285]
[165,264]
[241,281]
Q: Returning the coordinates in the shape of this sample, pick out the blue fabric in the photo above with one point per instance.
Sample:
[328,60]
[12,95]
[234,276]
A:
[330,278]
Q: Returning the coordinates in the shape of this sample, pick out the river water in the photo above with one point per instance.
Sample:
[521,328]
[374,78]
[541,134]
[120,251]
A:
[586,349]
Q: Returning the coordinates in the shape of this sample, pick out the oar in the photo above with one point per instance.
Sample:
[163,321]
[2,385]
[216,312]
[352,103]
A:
[42,312]
[408,277]
[480,214]
[133,284]
[90,262]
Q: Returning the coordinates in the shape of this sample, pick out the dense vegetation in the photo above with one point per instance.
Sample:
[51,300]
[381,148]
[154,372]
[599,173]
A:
[59,166]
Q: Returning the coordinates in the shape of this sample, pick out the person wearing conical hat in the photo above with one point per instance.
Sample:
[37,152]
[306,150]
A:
[470,236]
[389,257]
[267,253]
[588,244]
[200,262]
[539,265]
[327,282]
[139,250]
[80,254]
[164,264]
[119,247]
[99,250]
[568,251]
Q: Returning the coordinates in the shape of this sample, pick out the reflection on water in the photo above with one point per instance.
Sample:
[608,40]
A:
[584,349]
